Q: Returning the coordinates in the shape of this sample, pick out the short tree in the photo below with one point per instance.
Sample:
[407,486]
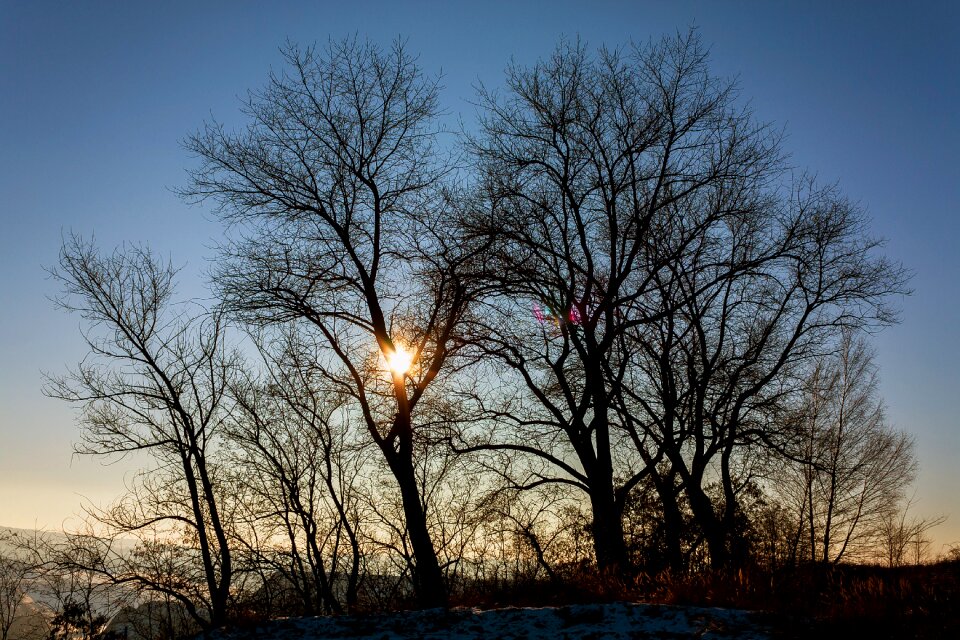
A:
[296,461]
[14,580]
[852,469]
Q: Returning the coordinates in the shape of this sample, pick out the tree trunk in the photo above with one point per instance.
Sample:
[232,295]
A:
[672,523]
[712,527]
[428,578]
[607,526]
[608,543]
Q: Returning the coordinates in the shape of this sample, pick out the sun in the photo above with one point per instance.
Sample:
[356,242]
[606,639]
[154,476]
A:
[399,360]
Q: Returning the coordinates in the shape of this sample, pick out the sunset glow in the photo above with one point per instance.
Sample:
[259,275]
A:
[473,320]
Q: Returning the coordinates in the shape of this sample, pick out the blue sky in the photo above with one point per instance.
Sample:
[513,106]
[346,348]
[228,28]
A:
[96,96]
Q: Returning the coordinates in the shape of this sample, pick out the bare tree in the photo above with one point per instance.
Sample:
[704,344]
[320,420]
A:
[756,299]
[660,280]
[601,172]
[334,189]
[68,592]
[297,460]
[14,580]
[155,383]
[71,584]
[624,305]
[903,538]
[854,468]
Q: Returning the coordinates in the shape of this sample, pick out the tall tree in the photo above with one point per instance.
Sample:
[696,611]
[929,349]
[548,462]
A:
[600,171]
[335,187]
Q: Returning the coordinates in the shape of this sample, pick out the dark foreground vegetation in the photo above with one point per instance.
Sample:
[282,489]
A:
[605,344]
[809,601]
[843,601]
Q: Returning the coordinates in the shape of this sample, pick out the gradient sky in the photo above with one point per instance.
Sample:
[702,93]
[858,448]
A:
[95,97]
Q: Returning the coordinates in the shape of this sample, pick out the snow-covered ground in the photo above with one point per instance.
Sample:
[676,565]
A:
[616,621]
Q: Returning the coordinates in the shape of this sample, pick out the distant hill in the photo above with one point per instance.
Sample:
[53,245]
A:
[39,598]
[8,536]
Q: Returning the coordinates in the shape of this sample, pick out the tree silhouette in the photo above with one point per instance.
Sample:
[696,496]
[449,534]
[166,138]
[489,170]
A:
[345,228]
[155,382]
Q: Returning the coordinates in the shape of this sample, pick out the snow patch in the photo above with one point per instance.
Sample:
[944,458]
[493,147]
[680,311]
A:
[615,621]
